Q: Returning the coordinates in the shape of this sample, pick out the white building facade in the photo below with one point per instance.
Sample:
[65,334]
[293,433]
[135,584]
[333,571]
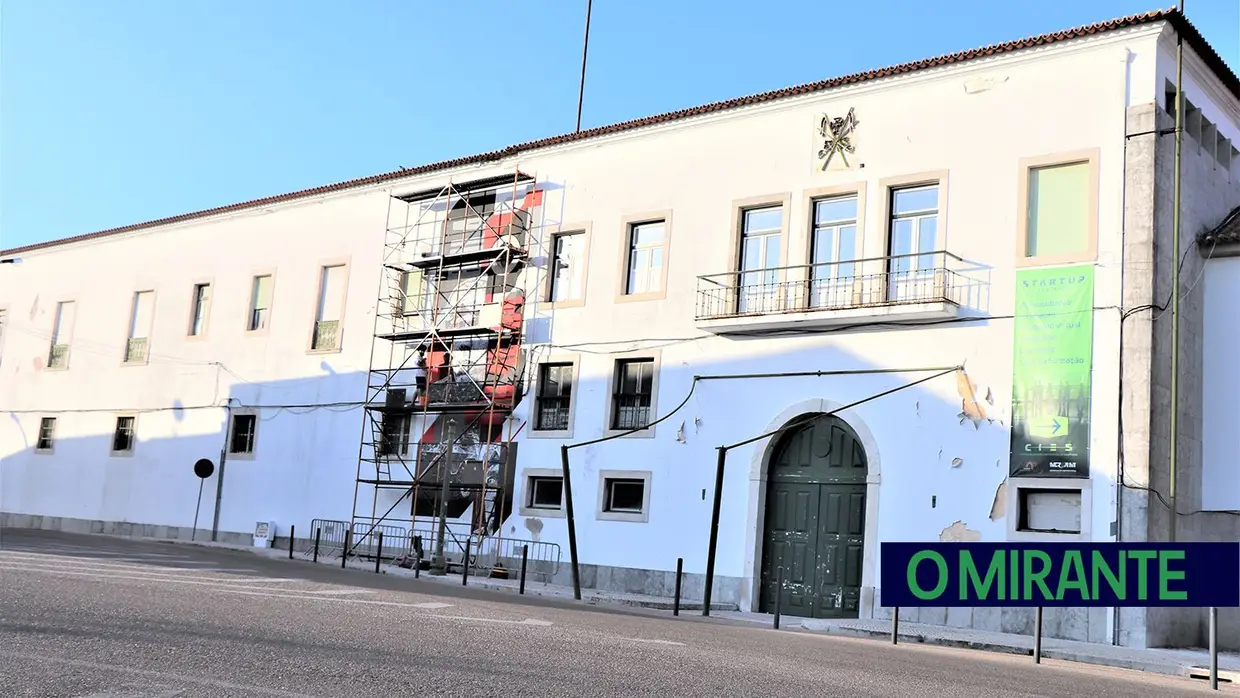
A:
[797,258]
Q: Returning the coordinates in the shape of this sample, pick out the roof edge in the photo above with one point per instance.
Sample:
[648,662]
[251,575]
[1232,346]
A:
[1182,25]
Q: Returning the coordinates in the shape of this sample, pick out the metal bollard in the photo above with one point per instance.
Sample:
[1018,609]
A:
[344,554]
[779,593]
[465,563]
[525,554]
[318,537]
[680,568]
[292,539]
[1213,648]
[379,553]
[895,625]
[1037,636]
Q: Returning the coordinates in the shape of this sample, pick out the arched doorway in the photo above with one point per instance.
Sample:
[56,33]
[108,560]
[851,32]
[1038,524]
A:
[815,521]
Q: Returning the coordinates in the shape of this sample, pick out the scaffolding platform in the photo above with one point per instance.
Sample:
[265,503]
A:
[447,366]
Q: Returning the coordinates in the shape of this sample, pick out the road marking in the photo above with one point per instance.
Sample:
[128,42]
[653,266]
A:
[164,676]
[30,558]
[222,583]
[653,642]
[421,606]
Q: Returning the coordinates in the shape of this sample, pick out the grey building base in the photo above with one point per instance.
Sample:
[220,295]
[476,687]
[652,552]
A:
[628,580]
[119,528]
[1079,624]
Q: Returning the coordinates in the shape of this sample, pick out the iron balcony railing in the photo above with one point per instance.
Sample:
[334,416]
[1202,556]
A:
[326,335]
[136,350]
[928,277]
[58,357]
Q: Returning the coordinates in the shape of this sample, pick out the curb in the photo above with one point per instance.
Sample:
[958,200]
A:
[480,582]
[1066,655]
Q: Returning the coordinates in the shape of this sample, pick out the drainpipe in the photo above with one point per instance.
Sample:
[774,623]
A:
[1175,271]
[1123,236]
[219,478]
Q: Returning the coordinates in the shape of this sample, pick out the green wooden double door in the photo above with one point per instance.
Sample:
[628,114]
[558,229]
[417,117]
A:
[815,522]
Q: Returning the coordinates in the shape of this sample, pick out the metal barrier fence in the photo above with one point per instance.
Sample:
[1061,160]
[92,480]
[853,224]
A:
[485,553]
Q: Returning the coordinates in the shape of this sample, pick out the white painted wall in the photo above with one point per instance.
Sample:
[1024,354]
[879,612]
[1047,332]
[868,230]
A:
[1220,396]
[974,123]
[305,459]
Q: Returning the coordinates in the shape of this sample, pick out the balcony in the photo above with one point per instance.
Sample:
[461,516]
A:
[879,290]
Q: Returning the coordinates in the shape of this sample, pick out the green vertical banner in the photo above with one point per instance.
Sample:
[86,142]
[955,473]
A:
[1051,371]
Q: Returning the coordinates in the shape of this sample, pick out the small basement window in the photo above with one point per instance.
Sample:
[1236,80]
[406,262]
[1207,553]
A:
[624,496]
[545,493]
[1049,511]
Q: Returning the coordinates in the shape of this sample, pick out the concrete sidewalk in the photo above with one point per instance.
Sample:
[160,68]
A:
[1177,662]
[532,588]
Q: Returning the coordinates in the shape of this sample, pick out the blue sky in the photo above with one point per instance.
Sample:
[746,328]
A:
[123,111]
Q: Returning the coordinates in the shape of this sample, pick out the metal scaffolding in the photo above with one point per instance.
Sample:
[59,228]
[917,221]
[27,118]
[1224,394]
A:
[446,367]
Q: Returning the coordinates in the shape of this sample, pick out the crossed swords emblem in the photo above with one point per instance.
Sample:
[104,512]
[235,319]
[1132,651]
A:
[837,137]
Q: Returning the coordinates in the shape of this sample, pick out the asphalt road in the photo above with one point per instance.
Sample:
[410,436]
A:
[112,618]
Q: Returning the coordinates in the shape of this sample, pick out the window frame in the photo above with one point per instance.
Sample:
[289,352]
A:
[318,309]
[38,436]
[655,357]
[601,512]
[528,475]
[55,335]
[133,436]
[193,306]
[4,326]
[1090,158]
[251,299]
[573,361]
[131,330]
[584,230]
[628,223]
[232,426]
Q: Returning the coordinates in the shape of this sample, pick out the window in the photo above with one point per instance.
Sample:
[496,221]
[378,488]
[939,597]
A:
[544,492]
[409,299]
[1058,210]
[1049,511]
[912,240]
[634,383]
[624,496]
[47,434]
[394,425]
[645,258]
[330,309]
[243,428]
[62,330]
[554,400]
[123,436]
[760,284]
[833,249]
[568,262]
[200,305]
[260,303]
[141,317]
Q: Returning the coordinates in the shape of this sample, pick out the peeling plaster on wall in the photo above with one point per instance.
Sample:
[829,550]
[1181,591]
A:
[973,86]
[998,508]
[970,408]
[535,527]
[959,533]
[957,462]
[680,433]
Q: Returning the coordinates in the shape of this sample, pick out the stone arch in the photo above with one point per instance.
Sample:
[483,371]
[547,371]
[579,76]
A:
[759,465]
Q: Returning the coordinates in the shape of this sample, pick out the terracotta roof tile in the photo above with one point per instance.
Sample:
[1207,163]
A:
[1190,33]
[1227,232]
